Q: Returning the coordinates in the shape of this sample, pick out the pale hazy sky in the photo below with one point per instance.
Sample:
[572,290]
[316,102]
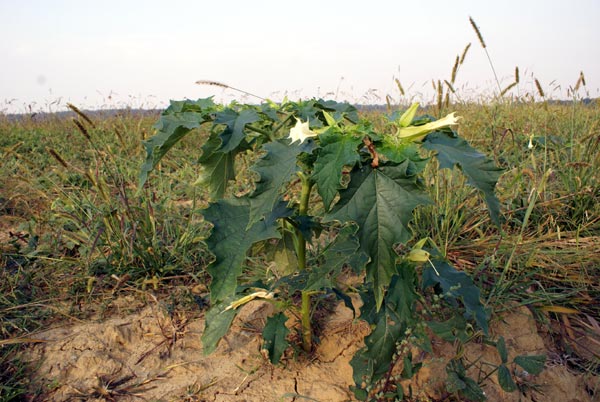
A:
[143,53]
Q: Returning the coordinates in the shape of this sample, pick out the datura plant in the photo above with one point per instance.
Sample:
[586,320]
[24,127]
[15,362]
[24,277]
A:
[334,195]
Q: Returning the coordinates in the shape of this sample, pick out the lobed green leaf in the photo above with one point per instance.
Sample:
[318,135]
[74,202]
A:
[481,172]
[175,122]
[381,202]
[458,285]
[337,151]
[276,169]
[274,335]
[232,236]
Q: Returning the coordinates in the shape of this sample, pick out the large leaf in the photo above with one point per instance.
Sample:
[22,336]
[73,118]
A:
[218,167]
[218,320]
[230,240]
[234,122]
[381,202]
[175,123]
[398,153]
[337,150]
[458,285]
[340,252]
[275,334]
[275,169]
[373,361]
[481,172]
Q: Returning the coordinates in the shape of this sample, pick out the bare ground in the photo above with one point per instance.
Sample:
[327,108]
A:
[152,355]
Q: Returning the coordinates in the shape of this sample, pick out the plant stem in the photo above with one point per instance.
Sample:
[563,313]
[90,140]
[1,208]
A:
[306,327]
[301,253]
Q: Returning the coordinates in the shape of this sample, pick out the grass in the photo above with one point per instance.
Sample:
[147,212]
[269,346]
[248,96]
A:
[77,231]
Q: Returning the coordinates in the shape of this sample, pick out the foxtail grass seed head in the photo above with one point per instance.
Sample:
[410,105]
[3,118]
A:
[508,88]
[440,95]
[454,70]
[449,85]
[212,83]
[81,114]
[388,101]
[580,81]
[517,74]
[400,88]
[464,53]
[476,28]
[82,129]
[57,156]
[539,88]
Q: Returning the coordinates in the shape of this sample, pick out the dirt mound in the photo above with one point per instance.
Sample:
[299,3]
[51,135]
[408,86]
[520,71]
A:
[154,355]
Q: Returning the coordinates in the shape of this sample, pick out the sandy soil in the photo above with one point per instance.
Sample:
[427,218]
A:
[153,356]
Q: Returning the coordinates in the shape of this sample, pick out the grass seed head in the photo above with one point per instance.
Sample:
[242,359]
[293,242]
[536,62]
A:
[464,53]
[539,88]
[478,32]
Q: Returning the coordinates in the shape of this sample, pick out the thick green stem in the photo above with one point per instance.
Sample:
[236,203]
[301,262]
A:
[301,253]
[306,327]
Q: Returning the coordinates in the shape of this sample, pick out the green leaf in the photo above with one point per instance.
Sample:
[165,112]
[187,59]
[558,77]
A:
[402,152]
[230,240]
[381,202]
[284,257]
[218,168]
[218,320]
[234,122]
[458,285]
[337,254]
[458,382]
[501,347]
[532,364]
[373,361]
[401,295]
[276,169]
[275,334]
[174,124]
[480,171]
[451,329]
[337,150]
[505,379]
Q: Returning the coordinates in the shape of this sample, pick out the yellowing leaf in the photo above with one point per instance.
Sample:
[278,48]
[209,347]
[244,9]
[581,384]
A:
[559,309]
[418,255]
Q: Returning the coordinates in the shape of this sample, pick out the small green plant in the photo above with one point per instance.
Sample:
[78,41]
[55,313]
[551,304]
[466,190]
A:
[368,182]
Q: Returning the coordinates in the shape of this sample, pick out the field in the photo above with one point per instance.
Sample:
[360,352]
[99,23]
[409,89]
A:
[103,287]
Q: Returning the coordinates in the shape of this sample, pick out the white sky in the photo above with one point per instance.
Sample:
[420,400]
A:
[143,53]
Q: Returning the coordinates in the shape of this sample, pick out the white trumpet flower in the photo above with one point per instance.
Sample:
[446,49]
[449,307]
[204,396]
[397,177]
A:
[406,132]
[301,132]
